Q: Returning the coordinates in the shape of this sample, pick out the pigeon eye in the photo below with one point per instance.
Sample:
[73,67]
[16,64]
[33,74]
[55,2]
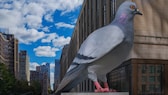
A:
[132,7]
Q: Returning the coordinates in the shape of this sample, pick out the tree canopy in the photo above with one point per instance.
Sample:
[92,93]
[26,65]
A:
[10,86]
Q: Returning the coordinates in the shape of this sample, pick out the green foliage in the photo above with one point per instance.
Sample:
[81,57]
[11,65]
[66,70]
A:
[49,90]
[6,80]
[10,86]
[36,88]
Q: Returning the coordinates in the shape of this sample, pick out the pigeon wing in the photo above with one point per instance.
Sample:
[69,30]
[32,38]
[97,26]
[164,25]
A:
[98,43]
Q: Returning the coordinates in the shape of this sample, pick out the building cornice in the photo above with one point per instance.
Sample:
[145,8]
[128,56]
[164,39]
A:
[3,38]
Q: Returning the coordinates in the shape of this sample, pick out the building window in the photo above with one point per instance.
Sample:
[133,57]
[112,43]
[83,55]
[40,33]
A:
[143,88]
[159,78]
[152,79]
[158,88]
[144,78]
[151,82]
[159,69]
[152,69]
[113,8]
[143,68]
[97,12]
[152,88]
[105,14]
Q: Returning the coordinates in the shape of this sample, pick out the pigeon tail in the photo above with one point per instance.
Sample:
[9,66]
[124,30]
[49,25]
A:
[72,78]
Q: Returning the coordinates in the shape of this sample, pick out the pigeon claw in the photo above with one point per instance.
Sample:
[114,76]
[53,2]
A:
[105,90]
[102,90]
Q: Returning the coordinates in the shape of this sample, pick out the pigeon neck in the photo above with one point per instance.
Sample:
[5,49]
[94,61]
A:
[123,19]
[125,22]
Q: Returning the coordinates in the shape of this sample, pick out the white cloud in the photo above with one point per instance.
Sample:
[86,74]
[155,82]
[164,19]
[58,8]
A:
[45,29]
[33,13]
[27,15]
[33,8]
[69,5]
[43,63]
[27,36]
[64,25]
[33,21]
[61,41]
[45,51]
[52,66]
[14,22]
[49,37]
[10,18]
[57,41]
[33,65]
[49,17]
[62,5]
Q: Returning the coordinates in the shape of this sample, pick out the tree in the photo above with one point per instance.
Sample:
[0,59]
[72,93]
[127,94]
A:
[6,80]
[10,86]
[36,87]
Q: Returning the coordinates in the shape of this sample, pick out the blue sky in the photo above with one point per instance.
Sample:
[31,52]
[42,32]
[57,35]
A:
[42,27]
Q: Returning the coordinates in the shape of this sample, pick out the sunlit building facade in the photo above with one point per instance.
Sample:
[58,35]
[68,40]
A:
[9,52]
[24,73]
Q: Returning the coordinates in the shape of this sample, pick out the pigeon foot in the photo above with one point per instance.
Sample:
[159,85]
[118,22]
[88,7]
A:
[105,90]
[102,90]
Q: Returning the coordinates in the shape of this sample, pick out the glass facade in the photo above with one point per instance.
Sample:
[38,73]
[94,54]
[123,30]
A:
[149,79]
[120,78]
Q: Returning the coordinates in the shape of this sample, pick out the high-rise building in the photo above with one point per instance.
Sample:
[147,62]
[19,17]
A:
[45,69]
[145,71]
[9,52]
[34,76]
[24,73]
[56,74]
[44,77]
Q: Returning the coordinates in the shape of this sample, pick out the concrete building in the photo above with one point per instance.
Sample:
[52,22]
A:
[145,71]
[9,52]
[64,61]
[24,73]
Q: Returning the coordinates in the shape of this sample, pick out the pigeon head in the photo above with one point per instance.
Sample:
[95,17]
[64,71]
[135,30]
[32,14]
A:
[128,7]
[127,10]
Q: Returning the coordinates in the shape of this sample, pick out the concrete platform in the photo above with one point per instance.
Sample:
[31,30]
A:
[112,93]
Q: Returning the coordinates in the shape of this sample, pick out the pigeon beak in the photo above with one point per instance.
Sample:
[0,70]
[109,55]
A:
[137,12]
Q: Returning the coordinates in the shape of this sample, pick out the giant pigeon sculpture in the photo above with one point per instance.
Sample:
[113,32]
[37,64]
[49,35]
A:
[102,51]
